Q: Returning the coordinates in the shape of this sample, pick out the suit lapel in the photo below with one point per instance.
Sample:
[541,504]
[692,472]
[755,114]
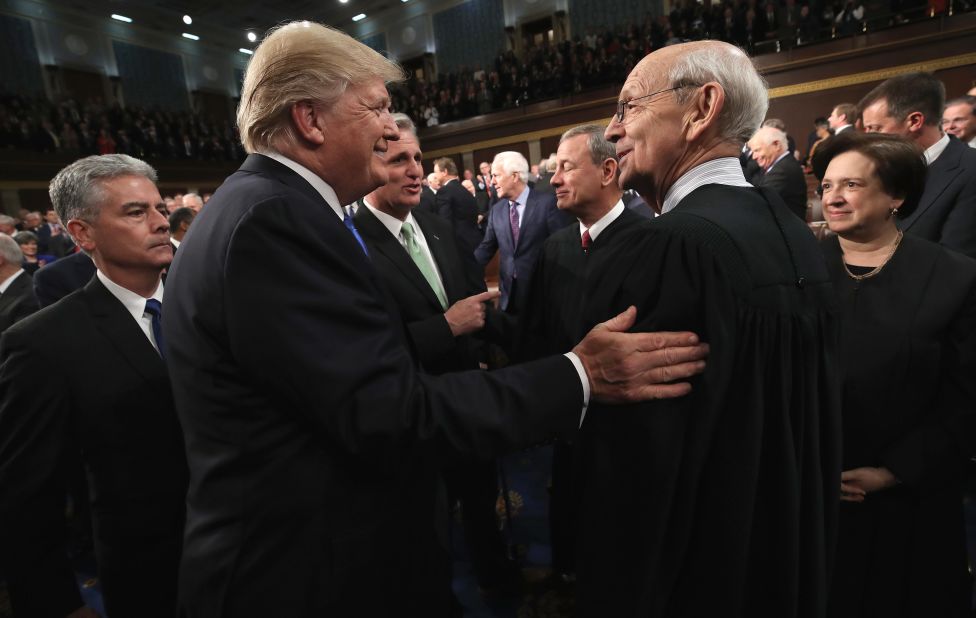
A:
[939,177]
[115,323]
[380,238]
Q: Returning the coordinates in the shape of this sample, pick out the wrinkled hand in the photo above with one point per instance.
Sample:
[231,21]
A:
[468,314]
[625,367]
[83,612]
[857,483]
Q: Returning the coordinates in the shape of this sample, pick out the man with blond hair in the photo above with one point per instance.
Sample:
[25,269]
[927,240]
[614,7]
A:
[723,503]
[314,442]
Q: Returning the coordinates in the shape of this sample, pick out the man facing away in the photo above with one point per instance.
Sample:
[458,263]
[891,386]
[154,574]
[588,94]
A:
[314,442]
[722,503]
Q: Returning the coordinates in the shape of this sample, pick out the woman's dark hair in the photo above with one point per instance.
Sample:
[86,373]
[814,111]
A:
[897,162]
[22,238]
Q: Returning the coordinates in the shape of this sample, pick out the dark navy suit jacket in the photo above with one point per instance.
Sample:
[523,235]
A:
[540,219]
[946,212]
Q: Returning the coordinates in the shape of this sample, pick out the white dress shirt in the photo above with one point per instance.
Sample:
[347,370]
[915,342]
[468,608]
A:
[604,221]
[932,152]
[722,171]
[396,228]
[327,192]
[6,282]
[176,243]
[134,304]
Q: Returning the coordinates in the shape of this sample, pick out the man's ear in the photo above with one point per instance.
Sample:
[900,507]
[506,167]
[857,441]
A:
[915,121]
[707,103]
[306,116]
[609,172]
[83,233]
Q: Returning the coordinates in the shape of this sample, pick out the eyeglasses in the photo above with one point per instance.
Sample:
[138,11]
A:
[622,105]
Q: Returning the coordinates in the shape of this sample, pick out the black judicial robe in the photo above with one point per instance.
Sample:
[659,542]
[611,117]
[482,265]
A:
[722,502]
[553,321]
[908,343]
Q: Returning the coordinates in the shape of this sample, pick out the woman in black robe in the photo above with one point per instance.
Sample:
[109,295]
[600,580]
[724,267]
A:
[908,361]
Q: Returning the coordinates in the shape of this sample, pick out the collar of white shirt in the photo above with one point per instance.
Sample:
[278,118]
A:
[604,221]
[176,243]
[722,171]
[932,152]
[134,303]
[972,143]
[842,128]
[392,223]
[6,282]
[327,192]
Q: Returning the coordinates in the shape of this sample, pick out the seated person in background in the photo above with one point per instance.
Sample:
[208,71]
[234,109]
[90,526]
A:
[28,246]
[908,357]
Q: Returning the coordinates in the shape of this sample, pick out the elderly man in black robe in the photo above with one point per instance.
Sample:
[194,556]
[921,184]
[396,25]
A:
[722,503]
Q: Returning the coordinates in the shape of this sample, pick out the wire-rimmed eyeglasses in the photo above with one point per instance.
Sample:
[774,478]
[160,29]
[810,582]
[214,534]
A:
[622,105]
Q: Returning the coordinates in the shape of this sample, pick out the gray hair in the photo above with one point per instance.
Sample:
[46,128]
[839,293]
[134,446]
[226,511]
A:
[301,61]
[10,250]
[600,148]
[7,220]
[76,191]
[746,97]
[512,162]
[405,124]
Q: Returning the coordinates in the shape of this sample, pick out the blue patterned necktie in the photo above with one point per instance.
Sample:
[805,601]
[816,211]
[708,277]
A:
[155,309]
[352,228]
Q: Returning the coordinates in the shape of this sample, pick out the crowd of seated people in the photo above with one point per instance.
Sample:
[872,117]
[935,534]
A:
[79,129]
[602,57]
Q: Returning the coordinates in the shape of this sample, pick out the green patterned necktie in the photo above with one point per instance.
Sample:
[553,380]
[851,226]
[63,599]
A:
[420,259]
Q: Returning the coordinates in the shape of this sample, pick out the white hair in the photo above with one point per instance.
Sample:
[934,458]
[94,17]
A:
[10,250]
[768,135]
[512,162]
[746,96]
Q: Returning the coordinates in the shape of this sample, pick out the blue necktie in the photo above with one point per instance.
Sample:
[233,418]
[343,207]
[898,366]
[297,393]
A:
[155,309]
[352,228]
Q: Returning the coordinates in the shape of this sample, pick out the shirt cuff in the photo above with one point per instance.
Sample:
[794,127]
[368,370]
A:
[584,382]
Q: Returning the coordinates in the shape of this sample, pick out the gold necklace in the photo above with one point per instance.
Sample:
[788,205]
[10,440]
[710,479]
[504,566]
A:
[878,268]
